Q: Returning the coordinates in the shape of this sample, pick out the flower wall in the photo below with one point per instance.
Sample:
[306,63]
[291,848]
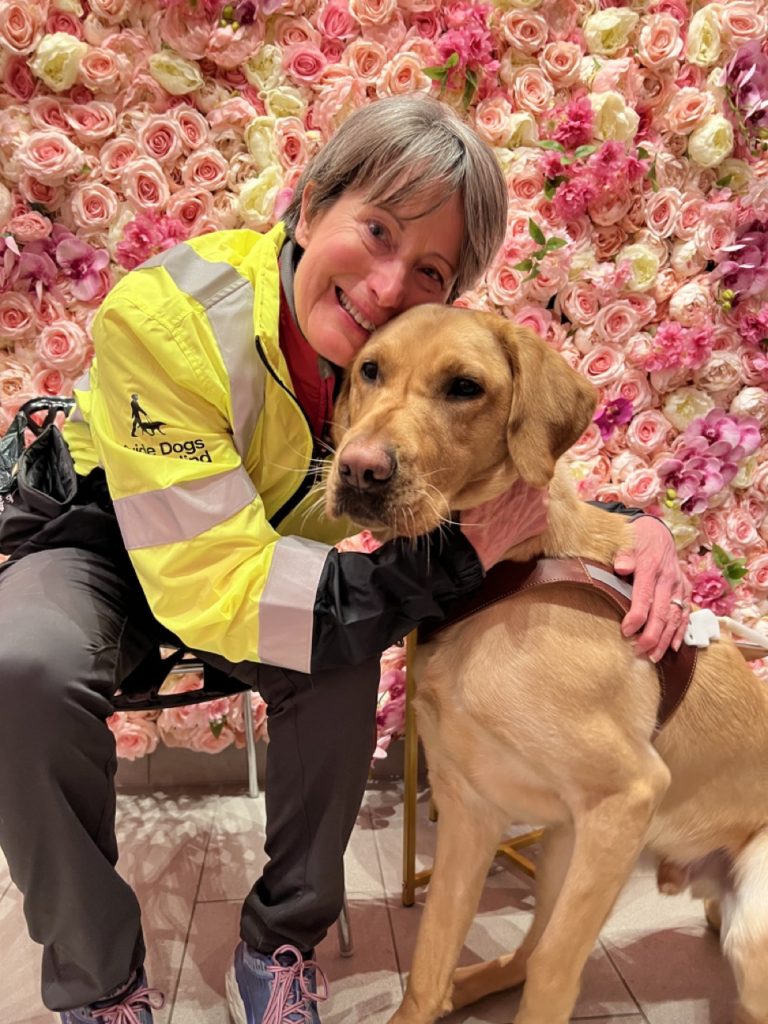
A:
[633,139]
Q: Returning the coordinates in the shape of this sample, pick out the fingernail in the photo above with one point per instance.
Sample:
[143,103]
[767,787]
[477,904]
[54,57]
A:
[676,645]
[654,658]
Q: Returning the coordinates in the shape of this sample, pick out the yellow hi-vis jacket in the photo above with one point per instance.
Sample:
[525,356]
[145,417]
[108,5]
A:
[189,409]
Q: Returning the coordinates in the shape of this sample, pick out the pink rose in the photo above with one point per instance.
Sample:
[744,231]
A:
[493,120]
[50,156]
[715,229]
[616,322]
[291,142]
[64,346]
[94,206]
[535,318]
[372,12]
[15,386]
[561,62]
[91,121]
[335,21]
[205,167]
[303,63]
[649,433]
[159,137]
[20,26]
[661,211]
[740,528]
[29,227]
[145,184]
[229,50]
[757,576]
[18,80]
[189,205]
[552,276]
[116,155]
[588,445]
[295,31]
[633,387]
[17,316]
[525,31]
[503,284]
[660,42]
[607,239]
[740,23]
[527,182]
[192,125]
[687,108]
[640,487]
[135,734]
[236,721]
[205,741]
[692,206]
[751,402]
[609,207]
[51,381]
[579,302]
[720,375]
[110,11]
[532,90]
[63,21]
[403,74]
[100,70]
[366,59]
[602,365]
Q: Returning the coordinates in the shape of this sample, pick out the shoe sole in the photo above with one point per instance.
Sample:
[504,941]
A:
[234,999]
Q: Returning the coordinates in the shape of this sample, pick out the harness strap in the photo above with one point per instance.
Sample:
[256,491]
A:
[508,579]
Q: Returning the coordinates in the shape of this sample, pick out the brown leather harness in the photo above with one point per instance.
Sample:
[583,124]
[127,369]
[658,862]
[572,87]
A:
[507,579]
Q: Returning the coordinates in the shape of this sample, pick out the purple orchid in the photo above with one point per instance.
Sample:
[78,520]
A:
[81,263]
[743,266]
[613,414]
[746,78]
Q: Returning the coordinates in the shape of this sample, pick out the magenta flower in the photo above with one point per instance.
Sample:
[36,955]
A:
[81,263]
[743,266]
[612,415]
[753,329]
[746,79]
[575,127]
[573,197]
[711,590]
[468,36]
[146,235]
[674,346]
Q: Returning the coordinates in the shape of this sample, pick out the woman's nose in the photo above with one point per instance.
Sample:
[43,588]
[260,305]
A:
[387,281]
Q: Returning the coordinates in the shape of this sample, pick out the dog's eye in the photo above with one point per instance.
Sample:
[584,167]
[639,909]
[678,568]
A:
[464,387]
[369,370]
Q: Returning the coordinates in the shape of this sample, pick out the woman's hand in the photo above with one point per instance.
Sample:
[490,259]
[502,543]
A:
[660,591]
[498,525]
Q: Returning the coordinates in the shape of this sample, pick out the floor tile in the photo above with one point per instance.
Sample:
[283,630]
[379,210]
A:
[20,978]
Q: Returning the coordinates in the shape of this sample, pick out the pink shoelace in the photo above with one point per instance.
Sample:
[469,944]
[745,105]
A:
[128,1009]
[279,1010]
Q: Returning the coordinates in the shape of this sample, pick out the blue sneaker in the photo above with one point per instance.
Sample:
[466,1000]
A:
[280,989]
[131,1003]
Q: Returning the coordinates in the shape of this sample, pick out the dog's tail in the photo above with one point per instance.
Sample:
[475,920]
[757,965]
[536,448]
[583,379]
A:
[744,932]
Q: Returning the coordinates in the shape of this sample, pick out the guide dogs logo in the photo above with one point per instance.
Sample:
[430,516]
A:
[150,427]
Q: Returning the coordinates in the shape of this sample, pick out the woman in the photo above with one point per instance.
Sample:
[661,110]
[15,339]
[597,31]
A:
[205,414]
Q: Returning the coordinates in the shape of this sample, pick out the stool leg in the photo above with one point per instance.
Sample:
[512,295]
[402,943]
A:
[410,779]
[250,746]
[343,927]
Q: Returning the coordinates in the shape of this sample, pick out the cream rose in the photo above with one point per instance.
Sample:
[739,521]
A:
[257,197]
[264,69]
[260,140]
[720,374]
[643,263]
[493,118]
[525,32]
[684,528]
[175,73]
[741,22]
[57,60]
[687,108]
[285,101]
[704,42]
[532,90]
[691,304]
[613,118]
[751,402]
[403,74]
[606,32]
[711,142]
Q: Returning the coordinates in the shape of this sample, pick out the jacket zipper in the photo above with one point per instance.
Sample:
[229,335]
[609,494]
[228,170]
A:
[311,477]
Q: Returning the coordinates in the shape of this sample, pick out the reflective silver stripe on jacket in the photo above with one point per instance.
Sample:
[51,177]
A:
[228,300]
[184,511]
[83,383]
[287,604]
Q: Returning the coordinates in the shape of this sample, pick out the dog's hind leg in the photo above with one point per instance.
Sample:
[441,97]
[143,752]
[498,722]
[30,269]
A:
[479,980]
[744,930]
[610,829]
[468,833]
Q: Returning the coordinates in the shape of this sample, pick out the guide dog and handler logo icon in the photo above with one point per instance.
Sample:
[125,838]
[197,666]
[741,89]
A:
[190,448]
[147,426]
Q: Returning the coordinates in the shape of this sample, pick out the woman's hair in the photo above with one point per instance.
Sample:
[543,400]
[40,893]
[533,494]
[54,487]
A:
[403,147]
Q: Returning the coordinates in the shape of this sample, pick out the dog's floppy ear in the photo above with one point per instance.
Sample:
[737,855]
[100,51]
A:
[552,405]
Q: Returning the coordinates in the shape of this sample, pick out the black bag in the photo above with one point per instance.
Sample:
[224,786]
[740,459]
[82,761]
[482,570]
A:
[37,482]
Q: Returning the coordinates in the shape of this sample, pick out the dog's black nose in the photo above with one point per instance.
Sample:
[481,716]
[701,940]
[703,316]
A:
[365,467]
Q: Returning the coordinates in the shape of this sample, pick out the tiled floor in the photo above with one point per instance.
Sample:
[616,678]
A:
[191,857]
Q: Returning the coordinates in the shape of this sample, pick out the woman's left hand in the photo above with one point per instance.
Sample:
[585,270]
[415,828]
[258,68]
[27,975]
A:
[660,592]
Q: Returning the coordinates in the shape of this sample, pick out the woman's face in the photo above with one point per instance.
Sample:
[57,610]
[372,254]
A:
[363,264]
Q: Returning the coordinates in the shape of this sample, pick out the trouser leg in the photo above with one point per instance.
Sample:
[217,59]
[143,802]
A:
[67,636]
[322,733]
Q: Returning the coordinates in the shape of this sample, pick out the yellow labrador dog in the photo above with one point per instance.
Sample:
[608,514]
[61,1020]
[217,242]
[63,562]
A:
[536,709]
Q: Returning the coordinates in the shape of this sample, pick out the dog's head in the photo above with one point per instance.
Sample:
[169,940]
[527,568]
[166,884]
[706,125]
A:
[445,408]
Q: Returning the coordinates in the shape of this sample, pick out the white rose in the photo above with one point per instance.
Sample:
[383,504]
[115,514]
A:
[644,264]
[711,142]
[524,130]
[690,304]
[285,101]
[685,404]
[260,140]
[606,32]
[613,118]
[70,6]
[256,201]
[57,60]
[518,5]
[685,258]
[684,528]
[264,69]
[6,205]
[704,42]
[737,174]
[175,73]
[751,402]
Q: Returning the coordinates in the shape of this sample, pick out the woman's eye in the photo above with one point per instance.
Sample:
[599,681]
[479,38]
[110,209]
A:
[435,275]
[369,370]
[464,387]
[376,230]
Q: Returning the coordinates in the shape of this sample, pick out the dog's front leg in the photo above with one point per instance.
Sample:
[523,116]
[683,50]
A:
[468,833]
[610,830]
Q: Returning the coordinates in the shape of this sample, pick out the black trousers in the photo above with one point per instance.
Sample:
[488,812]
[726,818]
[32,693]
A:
[73,625]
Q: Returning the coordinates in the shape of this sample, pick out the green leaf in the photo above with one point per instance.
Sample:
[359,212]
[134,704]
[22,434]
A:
[535,231]
[550,187]
[436,74]
[523,265]
[217,727]
[642,154]
[734,573]
[581,151]
[533,274]
[551,144]
[652,176]
[720,556]
[556,243]
[470,88]
[452,61]
[724,182]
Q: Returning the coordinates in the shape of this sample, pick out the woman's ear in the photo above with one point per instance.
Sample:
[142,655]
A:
[302,231]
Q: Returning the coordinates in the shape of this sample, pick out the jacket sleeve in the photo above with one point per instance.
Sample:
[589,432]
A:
[619,508]
[213,569]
